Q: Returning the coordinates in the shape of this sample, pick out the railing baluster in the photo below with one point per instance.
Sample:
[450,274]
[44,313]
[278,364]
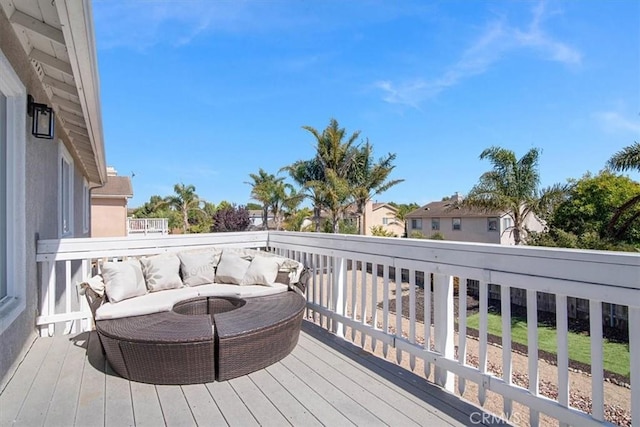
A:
[634,357]
[532,345]
[321,289]
[314,285]
[385,306]
[597,374]
[354,295]
[482,357]
[398,277]
[462,329]
[412,315]
[443,327]
[505,308]
[70,325]
[374,302]
[427,320]
[562,329]
[363,303]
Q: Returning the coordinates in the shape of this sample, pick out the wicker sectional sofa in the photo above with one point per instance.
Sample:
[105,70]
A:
[202,315]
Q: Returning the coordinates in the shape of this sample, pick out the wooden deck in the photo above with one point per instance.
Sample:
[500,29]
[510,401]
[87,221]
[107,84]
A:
[65,381]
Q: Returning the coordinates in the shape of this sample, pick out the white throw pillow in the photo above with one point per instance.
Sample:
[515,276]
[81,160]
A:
[198,268]
[123,280]
[261,271]
[161,272]
[232,268]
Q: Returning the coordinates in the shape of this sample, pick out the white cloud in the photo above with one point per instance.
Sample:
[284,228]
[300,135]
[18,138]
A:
[612,121]
[496,41]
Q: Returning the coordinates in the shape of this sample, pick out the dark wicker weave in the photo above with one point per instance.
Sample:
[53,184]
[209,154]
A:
[160,348]
[260,333]
[179,347]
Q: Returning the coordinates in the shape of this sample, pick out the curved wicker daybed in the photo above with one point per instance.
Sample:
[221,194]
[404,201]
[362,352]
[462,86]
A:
[203,339]
[197,333]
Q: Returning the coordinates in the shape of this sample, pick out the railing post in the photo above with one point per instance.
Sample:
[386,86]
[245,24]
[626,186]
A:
[337,294]
[443,326]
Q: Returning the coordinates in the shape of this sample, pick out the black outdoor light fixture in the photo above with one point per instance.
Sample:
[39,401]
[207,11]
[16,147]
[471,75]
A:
[42,122]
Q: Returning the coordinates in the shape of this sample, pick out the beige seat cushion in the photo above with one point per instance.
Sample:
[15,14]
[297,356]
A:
[153,302]
[248,291]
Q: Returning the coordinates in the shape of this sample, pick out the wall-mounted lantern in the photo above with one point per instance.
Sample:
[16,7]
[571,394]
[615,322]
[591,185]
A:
[42,122]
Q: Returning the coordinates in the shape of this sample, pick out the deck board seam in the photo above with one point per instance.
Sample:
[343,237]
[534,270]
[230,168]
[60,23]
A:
[269,400]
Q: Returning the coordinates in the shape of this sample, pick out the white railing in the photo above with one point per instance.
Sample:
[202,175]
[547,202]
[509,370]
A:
[147,226]
[351,292]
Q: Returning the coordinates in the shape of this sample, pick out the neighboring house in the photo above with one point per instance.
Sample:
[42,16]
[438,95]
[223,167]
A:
[255,216]
[109,206]
[464,224]
[47,54]
[383,215]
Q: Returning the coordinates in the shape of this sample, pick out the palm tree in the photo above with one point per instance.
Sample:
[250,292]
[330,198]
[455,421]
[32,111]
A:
[272,192]
[334,155]
[303,172]
[369,179]
[626,159]
[184,201]
[512,187]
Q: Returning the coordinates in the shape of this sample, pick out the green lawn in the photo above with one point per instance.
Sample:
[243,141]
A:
[616,355]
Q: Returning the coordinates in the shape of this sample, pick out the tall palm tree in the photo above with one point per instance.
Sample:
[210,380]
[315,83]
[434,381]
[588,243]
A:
[265,189]
[369,179]
[626,159]
[512,187]
[334,155]
[303,172]
[184,201]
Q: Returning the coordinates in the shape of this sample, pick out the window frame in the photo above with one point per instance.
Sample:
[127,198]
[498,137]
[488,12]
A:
[14,302]
[65,157]
[385,221]
[453,224]
[435,224]
[495,221]
[86,206]
[414,222]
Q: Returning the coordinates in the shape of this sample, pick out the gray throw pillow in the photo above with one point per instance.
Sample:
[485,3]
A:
[232,268]
[261,271]
[123,280]
[161,272]
[198,268]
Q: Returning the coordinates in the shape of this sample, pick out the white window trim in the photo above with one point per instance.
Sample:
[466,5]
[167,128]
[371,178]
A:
[63,154]
[86,206]
[16,94]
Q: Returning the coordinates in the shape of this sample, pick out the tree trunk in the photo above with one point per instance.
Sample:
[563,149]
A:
[265,217]
[185,221]
[316,217]
[611,226]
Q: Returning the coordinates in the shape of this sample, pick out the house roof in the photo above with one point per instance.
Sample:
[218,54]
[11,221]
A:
[377,206]
[58,38]
[116,186]
[448,209]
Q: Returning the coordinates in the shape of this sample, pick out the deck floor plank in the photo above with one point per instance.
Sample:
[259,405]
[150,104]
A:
[92,389]
[13,396]
[412,398]
[343,402]
[233,409]
[324,381]
[146,405]
[260,406]
[203,407]
[366,392]
[33,410]
[306,394]
[64,401]
[174,406]
[446,406]
[119,404]
[296,413]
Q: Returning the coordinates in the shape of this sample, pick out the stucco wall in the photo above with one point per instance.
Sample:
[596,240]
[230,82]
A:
[41,210]
[108,217]
[376,218]
[473,229]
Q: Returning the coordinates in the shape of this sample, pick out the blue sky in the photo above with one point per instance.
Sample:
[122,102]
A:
[207,92]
